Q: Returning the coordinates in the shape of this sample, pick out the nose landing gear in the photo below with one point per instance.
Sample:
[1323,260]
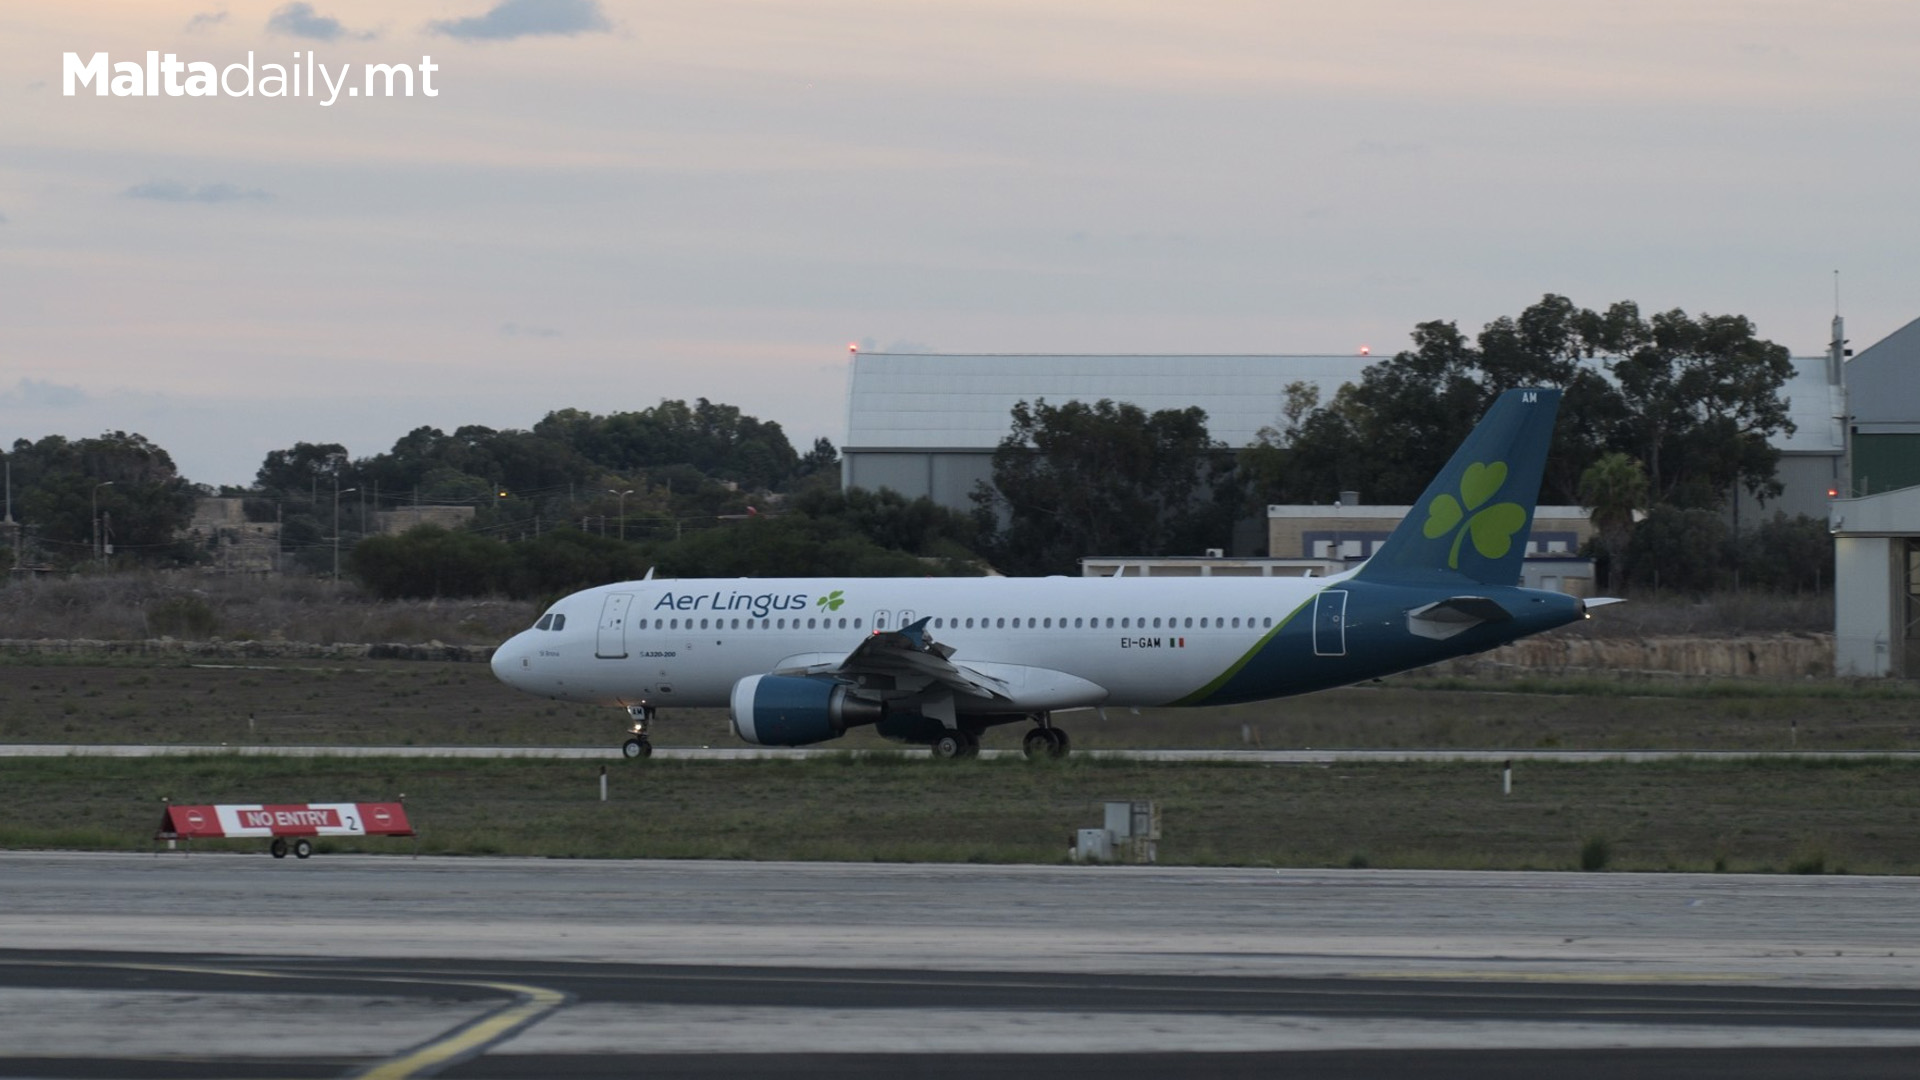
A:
[1046,740]
[639,746]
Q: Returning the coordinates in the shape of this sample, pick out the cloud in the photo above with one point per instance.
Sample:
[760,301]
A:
[300,20]
[175,191]
[511,19]
[34,394]
[517,330]
[205,20]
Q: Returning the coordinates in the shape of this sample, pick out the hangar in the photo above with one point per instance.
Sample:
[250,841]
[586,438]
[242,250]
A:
[927,423]
[1876,531]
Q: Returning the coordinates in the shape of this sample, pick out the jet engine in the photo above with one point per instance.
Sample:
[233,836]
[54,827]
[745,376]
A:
[782,710]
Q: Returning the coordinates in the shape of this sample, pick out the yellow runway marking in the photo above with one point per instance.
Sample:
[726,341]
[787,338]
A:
[534,1003]
[531,1005]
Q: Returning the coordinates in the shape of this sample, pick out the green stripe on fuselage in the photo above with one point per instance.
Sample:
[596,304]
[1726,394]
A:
[1200,696]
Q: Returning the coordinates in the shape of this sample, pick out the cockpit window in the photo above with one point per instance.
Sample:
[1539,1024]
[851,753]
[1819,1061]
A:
[545,623]
[559,622]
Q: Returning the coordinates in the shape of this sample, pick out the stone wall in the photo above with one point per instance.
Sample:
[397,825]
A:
[1773,656]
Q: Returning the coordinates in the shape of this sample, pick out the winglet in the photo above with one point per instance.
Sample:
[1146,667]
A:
[1472,522]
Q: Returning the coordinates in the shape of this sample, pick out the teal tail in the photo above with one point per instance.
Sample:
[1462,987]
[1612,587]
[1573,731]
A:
[1474,518]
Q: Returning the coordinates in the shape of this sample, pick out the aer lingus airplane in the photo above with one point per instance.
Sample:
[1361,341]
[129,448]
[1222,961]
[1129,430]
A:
[939,660]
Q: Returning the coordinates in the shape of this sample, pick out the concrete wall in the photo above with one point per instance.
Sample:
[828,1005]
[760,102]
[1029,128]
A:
[1868,631]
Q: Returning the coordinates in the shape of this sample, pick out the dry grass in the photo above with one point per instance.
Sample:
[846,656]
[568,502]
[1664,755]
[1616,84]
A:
[189,606]
[1860,817]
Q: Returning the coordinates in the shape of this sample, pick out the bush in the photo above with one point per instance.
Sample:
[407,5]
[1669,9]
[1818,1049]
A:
[1596,853]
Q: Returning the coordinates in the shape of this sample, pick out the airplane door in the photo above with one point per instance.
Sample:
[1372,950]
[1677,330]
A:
[880,621]
[1330,623]
[612,641]
[906,619]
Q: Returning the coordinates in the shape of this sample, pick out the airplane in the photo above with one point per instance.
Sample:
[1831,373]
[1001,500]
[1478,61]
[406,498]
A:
[937,661]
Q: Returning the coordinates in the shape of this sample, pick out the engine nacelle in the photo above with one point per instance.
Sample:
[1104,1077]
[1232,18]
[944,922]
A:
[781,710]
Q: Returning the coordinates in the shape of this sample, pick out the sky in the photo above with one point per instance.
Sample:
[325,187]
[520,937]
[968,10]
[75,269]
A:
[608,203]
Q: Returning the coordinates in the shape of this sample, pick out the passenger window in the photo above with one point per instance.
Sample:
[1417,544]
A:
[703,624]
[781,624]
[1049,624]
[1189,622]
[1126,624]
[843,624]
[1236,622]
[856,624]
[1268,621]
[675,624]
[1156,624]
[1076,624]
[810,624]
[1109,622]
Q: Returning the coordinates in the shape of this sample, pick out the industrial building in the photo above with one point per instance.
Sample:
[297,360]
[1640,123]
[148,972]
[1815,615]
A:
[1876,522]
[927,424]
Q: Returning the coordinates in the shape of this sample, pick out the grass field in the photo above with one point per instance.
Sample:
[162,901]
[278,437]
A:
[441,703]
[1860,816]
[1853,817]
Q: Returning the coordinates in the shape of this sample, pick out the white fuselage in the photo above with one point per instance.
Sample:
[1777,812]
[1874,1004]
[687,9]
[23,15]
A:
[1133,641]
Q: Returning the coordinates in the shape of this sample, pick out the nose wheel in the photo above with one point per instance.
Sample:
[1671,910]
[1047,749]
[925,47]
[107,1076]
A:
[1046,741]
[639,746]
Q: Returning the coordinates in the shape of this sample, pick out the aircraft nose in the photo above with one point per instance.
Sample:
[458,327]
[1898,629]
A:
[509,660]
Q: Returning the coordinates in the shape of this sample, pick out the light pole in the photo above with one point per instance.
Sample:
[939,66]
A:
[336,524]
[623,511]
[98,552]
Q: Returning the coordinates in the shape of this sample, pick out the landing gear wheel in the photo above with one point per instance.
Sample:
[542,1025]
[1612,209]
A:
[278,847]
[1059,745]
[1037,742]
[302,848]
[949,746]
[637,748]
[970,744]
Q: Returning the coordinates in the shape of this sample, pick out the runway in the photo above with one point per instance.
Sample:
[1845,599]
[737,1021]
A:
[230,965]
[786,753]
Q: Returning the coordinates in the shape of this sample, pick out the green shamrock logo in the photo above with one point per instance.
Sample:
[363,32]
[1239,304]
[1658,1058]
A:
[831,601]
[1492,527]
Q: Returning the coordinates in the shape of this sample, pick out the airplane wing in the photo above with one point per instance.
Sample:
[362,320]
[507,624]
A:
[904,659]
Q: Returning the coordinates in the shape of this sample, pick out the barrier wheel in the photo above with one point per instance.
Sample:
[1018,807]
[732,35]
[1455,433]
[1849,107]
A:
[278,847]
[302,848]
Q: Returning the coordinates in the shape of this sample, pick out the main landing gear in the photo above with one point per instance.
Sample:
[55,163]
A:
[957,743]
[1046,740]
[639,746]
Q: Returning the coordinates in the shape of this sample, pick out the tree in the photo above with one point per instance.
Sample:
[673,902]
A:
[1681,548]
[143,502]
[1612,488]
[1079,479]
[1702,399]
[1695,400]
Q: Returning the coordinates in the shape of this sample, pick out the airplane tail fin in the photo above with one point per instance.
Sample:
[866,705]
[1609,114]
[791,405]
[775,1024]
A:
[1472,522]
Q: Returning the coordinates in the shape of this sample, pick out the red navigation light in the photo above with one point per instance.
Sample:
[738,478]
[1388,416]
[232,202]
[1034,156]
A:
[853,346]
[1366,350]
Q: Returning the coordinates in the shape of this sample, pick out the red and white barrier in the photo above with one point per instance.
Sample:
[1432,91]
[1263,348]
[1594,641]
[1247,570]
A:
[230,821]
